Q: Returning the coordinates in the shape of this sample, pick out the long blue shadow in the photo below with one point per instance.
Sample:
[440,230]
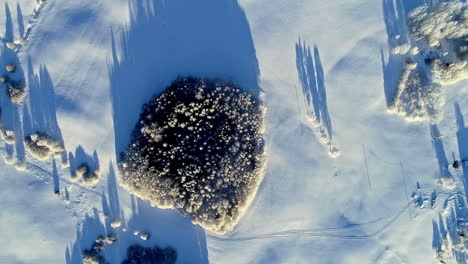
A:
[10,117]
[166,227]
[168,39]
[395,15]
[40,112]
[312,79]
[462,138]
[439,150]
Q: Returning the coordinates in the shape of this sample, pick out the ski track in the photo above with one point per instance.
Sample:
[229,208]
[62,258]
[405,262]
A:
[322,233]
[328,232]
[33,23]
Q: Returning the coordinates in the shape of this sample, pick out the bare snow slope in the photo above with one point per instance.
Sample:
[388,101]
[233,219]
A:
[310,208]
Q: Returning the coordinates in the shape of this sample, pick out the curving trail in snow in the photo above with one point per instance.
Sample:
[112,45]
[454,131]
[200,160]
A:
[320,232]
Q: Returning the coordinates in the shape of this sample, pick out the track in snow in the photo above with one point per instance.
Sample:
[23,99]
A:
[322,233]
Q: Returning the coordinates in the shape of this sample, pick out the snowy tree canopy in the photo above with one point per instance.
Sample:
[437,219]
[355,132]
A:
[198,147]
[446,21]
[444,32]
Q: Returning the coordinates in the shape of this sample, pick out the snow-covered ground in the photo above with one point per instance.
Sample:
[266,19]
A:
[347,181]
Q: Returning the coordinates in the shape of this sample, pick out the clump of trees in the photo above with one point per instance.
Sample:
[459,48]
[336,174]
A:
[199,148]
[42,146]
[443,32]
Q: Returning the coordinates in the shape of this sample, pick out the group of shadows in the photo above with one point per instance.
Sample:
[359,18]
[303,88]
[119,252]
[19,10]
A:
[185,47]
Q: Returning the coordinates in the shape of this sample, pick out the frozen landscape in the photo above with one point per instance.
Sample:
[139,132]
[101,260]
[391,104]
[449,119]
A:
[234,131]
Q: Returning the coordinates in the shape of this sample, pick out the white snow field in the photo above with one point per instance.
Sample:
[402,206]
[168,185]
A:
[346,180]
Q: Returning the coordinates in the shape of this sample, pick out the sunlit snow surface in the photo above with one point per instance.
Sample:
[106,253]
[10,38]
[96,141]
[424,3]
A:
[90,65]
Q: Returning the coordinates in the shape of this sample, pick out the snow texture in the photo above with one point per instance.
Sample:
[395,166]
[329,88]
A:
[42,146]
[199,148]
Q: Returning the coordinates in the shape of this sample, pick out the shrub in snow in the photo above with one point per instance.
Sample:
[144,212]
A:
[90,259]
[111,238]
[7,135]
[145,236]
[42,146]
[20,165]
[115,224]
[11,45]
[90,177]
[4,79]
[403,49]
[10,68]
[155,255]
[16,91]
[198,147]
[91,256]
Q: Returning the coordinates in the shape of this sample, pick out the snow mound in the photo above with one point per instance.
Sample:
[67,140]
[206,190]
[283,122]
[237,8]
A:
[155,255]
[444,31]
[42,146]
[199,148]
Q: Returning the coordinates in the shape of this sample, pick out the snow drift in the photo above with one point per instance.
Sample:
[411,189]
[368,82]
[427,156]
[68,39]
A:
[199,148]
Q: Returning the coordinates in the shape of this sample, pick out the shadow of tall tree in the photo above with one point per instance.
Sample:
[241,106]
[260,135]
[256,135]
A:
[312,79]
[10,117]
[395,14]
[166,228]
[168,39]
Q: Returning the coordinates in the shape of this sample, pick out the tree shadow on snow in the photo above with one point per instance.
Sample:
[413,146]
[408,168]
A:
[312,79]
[462,139]
[10,117]
[165,227]
[168,39]
[395,15]
[80,156]
[439,150]
[86,234]
[40,111]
